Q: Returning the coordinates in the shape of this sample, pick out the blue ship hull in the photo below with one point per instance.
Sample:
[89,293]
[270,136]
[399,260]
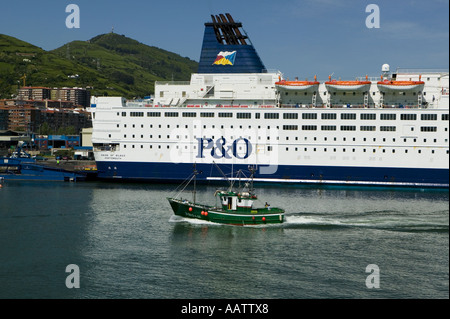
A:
[370,176]
[28,170]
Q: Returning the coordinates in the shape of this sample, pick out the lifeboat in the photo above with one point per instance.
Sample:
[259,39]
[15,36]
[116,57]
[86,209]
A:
[348,85]
[401,85]
[298,85]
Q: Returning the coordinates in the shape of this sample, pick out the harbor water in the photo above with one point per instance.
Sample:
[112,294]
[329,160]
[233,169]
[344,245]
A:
[127,243]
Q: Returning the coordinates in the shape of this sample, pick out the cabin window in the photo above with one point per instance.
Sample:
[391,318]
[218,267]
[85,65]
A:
[348,128]
[371,116]
[428,129]
[273,116]
[388,117]
[428,117]
[244,115]
[309,127]
[329,116]
[290,116]
[226,114]
[348,116]
[408,117]
[309,116]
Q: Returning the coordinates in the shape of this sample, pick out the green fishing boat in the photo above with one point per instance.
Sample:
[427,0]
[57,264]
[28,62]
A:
[235,208]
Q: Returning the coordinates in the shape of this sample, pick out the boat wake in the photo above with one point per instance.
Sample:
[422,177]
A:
[381,220]
[371,220]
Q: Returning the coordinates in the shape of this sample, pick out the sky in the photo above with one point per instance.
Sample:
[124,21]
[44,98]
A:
[301,38]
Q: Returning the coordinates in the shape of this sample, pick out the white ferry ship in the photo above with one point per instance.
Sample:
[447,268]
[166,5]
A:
[387,131]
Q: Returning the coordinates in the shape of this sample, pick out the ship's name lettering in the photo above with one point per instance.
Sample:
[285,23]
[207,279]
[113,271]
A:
[221,149]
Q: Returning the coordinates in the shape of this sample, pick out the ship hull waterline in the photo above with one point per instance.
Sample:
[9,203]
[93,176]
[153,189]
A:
[289,174]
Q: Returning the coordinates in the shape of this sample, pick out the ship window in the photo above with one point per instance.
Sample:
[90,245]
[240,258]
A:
[207,114]
[124,113]
[428,129]
[309,127]
[225,114]
[244,115]
[388,129]
[445,117]
[137,114]
[408,117]
[388,117]
[368,128]
[370,116]
[269,148]
[348,128]
[348,116]
[329,116]
[271,116]
[290,116]
[189,114]
[171,114]
[328,128]
[309,116]
[428,117]
[153,114]
[290,127]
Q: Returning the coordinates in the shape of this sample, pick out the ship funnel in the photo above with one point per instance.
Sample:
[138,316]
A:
[227,48]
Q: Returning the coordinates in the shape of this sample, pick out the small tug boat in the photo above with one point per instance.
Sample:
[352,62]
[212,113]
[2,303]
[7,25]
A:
[236,207]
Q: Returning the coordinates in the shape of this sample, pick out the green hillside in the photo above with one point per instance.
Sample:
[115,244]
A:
[111,64]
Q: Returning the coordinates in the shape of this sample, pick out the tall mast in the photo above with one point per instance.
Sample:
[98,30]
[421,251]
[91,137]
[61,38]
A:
[195,181]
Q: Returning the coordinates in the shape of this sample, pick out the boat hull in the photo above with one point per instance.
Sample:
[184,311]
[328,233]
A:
[212,214]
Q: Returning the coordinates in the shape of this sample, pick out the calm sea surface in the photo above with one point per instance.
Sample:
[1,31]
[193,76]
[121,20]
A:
[128,244]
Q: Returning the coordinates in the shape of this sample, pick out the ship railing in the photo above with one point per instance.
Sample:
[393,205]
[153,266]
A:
[172,83]
[421,71]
